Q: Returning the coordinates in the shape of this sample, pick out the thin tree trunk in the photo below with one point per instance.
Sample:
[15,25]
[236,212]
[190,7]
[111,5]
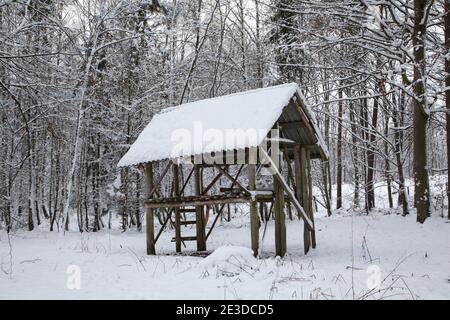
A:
[387,163]
[355,155]
[371,157]
[402,199]
[447,94]
[259,66]
[339,154]
[421,196]
[365,137]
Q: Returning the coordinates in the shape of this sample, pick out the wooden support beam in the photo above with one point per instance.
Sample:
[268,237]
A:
[161,177]
[234,180]
[171,211]
[200,225]
[176,189]
[202,201]
[150,227]
[305,198]
[291,124]
[219,213]
[310,197]
[280,222]
[291,178]
[304,118]
[216,178]
[290,193]
[254,219]
[298,175]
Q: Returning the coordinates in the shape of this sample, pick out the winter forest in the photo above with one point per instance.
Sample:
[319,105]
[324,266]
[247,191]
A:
[80,79]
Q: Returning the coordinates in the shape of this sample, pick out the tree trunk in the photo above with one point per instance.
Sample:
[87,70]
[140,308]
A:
[402,199]
[421,196]
[387,162]
[364,136]
[371,158]
[339,155]
[355,155]
[447,93]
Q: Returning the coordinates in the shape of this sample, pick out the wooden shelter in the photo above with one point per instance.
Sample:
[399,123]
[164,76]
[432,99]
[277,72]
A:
[288,134]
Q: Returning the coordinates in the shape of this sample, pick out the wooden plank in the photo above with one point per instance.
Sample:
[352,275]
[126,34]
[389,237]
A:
[289,167]
[304,118]
[198,201]
[254,219]
[189,238]
[298,174]
[274,171]
[280,223]
[176,189]
[150,226]
[296,124]
[201,238]
[230,190]
[187,210]
[310,197]
[188,222]
[305,197]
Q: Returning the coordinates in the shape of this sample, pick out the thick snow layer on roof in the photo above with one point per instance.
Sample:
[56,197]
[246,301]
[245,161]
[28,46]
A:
[235,121]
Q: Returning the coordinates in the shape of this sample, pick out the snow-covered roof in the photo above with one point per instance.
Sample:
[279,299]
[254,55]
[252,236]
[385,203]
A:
[206,120]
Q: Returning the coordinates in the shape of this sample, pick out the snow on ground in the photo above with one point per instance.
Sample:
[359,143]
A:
[406,259]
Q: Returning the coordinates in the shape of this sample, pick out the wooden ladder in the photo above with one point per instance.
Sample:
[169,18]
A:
[184,223]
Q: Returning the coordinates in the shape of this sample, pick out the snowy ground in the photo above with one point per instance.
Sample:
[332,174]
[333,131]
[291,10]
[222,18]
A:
[411,261]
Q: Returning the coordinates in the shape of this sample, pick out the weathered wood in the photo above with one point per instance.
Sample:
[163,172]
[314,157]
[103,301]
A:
[176,189]
[186,222]
[290,179]
[304,117]
[280,223]
[200,226]
[171,211]
[296,124]
[161,177]
[187,210]
[219,213]
[195,201]
[274,171]
[254,219]
[289,167]
[230,190]
[211,184]
[305,190]
[231,178]
[187,238]
[310,197]
[150,227]
[298,175]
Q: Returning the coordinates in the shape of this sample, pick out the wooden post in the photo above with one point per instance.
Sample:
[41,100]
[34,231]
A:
[150,228]
[298,174]
[254,219]
[310,198]
[200,226]
[305,191]
[176,189]
[280,223]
